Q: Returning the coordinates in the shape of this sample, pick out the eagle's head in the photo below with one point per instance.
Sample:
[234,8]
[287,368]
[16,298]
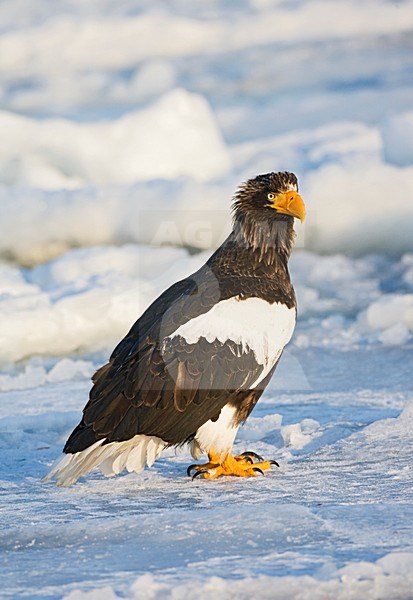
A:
[270,196]
[264,210]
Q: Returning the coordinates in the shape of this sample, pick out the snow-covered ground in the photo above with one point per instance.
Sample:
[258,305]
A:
[125,128]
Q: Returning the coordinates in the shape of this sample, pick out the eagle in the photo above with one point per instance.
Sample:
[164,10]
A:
[194,365]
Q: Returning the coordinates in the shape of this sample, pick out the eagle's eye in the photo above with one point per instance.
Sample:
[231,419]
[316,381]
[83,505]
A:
[270,196]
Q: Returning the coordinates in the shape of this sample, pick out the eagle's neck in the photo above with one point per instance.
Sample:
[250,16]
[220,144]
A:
[269,242]
[255,263]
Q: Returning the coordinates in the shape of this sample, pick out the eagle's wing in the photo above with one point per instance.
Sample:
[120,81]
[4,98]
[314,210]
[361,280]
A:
[156,383]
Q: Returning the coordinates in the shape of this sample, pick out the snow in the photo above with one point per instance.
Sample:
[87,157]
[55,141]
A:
[168,139]
[390,310]
[87,299]
[397,136]
[357,580]
[84,300]
[126,128]
[34,375]
[161,33]
[370,196]
[334,512]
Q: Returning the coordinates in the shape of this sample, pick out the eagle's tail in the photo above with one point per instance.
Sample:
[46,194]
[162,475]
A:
[110,459]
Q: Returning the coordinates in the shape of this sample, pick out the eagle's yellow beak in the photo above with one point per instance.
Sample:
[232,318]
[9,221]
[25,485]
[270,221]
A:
[289,203]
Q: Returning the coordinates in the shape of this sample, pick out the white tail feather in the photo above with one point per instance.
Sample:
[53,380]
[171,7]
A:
[120,461]
[110,458]
[152,451]
[136,459]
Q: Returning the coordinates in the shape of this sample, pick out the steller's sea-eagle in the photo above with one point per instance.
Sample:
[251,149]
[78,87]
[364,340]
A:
[193,366]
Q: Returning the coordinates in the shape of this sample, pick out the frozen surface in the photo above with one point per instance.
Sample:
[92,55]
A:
[336,517]
[125,129]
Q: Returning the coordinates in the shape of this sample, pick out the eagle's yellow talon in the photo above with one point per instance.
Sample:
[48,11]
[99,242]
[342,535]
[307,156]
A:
[200,472]
[189,469]
[246,459]
[250,455]
[238,466]
[258,470]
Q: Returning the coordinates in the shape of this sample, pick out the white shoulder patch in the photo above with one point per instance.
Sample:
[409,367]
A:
[253,323]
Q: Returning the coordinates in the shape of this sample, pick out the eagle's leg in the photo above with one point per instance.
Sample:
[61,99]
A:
[238,466]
